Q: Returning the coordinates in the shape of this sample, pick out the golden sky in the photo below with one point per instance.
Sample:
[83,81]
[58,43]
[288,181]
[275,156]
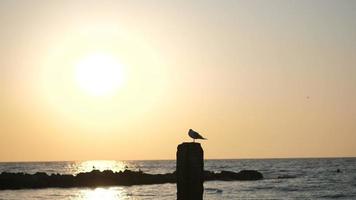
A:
[124,80]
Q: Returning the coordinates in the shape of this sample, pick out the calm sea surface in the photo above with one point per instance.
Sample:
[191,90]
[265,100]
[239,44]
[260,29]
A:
[311,179]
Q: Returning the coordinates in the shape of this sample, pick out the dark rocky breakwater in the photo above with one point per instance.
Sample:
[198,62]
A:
[109,178]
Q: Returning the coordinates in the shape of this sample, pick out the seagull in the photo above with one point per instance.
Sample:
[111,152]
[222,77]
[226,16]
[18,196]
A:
[195,135]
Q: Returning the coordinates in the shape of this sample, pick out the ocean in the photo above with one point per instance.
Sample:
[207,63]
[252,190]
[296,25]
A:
[312,178]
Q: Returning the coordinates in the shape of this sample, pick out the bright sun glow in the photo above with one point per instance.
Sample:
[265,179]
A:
[99,74]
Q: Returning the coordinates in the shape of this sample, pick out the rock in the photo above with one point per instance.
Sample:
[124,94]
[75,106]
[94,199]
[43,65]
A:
[105,178]
[244,175]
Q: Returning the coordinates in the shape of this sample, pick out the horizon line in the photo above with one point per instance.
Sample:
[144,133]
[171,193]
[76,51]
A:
[164,159]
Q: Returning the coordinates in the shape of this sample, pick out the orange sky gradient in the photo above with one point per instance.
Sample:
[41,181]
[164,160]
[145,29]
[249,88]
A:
[259,79]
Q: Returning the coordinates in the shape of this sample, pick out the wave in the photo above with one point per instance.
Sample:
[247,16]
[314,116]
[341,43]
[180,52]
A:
[264,187]
[140,195]
[335,196]
[287,176]
[288,189]
[213,190]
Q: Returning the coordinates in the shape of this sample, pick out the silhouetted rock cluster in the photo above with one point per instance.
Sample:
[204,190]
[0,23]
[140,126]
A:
[108,177]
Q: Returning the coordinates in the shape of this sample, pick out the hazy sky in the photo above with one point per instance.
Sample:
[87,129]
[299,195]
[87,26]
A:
[259,79]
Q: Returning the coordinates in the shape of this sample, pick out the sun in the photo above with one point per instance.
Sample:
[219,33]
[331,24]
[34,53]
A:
[99,74]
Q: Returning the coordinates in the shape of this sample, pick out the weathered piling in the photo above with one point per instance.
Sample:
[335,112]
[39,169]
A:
[190,171]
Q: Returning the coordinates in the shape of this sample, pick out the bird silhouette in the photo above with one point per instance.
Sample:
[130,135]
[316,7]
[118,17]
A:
[195,135]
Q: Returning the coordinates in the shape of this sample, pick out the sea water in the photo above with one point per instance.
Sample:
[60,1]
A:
[315,178]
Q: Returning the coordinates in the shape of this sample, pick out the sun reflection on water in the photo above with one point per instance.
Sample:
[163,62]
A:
[116,193]
[101,165]
[103,193]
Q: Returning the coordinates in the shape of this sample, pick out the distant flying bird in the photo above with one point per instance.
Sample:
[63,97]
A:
[195,135]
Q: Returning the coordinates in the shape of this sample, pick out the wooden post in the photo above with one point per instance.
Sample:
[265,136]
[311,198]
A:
[190,171]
